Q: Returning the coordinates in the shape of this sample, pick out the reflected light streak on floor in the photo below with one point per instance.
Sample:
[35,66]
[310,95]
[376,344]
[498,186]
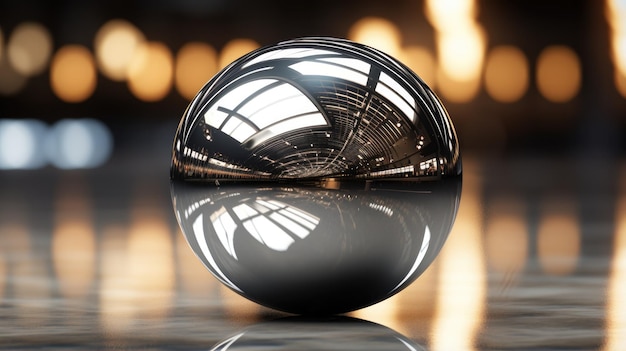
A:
[150,262]
[506,236]
[25,268]
[236,307]
[3,273]
[195,280]
[460,305]
[115,309]
[616,302]
[73,241]
[558,237]
[384,312]
[137,267]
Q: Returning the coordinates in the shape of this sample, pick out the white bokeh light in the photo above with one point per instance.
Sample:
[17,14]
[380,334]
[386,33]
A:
[20,144]
[79,143]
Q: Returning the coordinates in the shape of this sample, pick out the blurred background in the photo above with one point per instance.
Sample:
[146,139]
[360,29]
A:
[91,94]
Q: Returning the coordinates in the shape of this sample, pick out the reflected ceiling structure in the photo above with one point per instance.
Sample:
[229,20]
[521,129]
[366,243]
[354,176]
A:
[314,108]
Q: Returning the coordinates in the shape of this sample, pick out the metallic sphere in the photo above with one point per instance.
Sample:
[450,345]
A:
[316,176]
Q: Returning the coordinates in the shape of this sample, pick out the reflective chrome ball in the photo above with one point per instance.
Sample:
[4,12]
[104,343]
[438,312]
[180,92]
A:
[316,176]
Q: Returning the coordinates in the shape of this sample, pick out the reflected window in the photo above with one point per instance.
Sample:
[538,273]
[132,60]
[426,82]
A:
[225,229]
[272,223]
[419,258]
[290,54]
[352,70]
[397,95]
[198,231]
[262,109]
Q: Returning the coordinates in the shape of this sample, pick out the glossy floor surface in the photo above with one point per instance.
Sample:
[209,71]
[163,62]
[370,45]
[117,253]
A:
[536,261]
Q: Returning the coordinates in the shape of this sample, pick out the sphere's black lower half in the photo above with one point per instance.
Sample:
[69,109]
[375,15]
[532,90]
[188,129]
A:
[316,176]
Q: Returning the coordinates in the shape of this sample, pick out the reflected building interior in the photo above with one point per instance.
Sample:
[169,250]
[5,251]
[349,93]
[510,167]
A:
[303,110]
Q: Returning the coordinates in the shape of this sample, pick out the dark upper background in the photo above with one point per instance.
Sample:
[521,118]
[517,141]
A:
[592,120]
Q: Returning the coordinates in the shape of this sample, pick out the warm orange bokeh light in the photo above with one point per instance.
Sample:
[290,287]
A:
[620,83]
[196,63]
[506,74]
[151,71]
[116,44]
[558,73]
[461,54]
[73,73]
[378,33]
[616,16]
[29,48]
[421,61]
[451,15]
[457,91]
[11,82]
[461,43]
[234,49]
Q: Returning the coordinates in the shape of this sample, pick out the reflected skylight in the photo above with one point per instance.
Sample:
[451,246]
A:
[271,223]
[397,95]
[276,104]
[289,53]
[419,258]
[309,120]
[262,109]
[225,229]
[318,68]
[198,231]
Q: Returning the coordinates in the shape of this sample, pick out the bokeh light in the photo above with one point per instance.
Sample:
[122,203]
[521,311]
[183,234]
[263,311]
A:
[73,73]
[421,61]
[616,16]
[79,143]
[29,48]
[461,54]
[196,63]
[558,73]
[506,74]
[115,45]
[620,83]
[21,144]
[151,72]
[234,49]
[457,91]
[453,15]
[461,43]
[378,33]
[11,82]
[1,44]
